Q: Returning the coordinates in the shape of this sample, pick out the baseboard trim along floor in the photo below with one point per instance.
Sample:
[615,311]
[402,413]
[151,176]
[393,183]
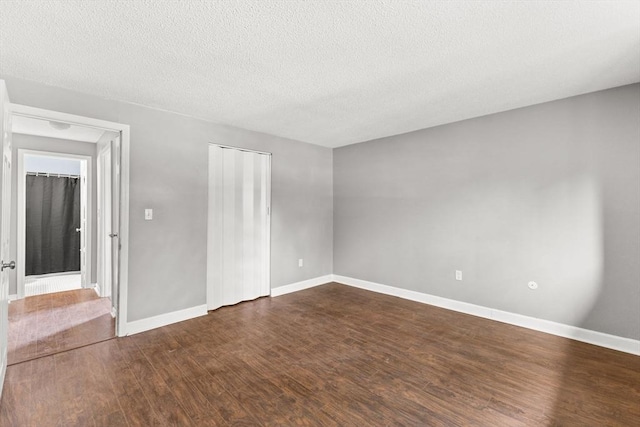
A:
[299,286]
[149,323]
[601,339]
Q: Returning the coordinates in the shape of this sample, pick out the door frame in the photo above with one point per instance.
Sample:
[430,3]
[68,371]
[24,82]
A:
[85,195]
[123,232]
[5,220]
[104,182]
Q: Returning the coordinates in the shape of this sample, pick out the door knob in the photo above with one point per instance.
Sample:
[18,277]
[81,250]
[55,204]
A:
[113,235]
[11,265]
[78,230]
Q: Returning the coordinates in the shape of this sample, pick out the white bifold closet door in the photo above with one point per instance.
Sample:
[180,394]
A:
[238,228]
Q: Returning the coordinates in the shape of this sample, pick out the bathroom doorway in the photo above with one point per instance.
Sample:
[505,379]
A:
[59,301]
[54,242]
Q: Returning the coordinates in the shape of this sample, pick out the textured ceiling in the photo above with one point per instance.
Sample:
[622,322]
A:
[325,72]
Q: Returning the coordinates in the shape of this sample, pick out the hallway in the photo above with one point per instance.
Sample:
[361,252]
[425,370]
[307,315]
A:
[51,323]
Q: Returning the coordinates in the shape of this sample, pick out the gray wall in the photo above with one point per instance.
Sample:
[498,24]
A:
[167,256]
[549,193]
[54,145]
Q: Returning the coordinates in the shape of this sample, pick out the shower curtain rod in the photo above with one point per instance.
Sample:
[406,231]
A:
[55,175]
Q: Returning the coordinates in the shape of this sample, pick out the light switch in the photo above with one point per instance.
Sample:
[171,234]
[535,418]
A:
[148,214]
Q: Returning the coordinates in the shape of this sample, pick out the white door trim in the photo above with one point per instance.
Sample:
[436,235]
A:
[104,181]
[5,228]
[27,111]
[21,211]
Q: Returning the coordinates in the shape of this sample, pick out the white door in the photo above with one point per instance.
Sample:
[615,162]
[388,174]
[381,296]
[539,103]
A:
[238,235]
[104,221]
[5,211]
[86,281]
[116,149]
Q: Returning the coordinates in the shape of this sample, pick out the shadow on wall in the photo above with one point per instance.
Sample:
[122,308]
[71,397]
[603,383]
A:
[577,242]
[566,232]
[548,193]
[611,377]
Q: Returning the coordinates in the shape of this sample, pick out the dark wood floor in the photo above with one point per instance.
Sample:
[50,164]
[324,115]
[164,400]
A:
[329,356]
[51,323]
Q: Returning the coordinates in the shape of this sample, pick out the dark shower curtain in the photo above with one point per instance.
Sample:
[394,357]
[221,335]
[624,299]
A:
[53,214]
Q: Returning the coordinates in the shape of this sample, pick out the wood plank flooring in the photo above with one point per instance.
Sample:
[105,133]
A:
[46,324]
[328,356]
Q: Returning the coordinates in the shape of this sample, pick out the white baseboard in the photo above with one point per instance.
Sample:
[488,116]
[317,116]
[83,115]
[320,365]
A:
[601,339]
[13,297]
[149,323]
[96,287]
[298,286]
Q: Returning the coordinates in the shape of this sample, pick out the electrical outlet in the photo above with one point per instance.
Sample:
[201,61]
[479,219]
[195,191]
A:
[300,262]
[458,274]
[148,214]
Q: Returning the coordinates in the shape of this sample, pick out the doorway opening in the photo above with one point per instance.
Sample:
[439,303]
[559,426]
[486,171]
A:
[66,288]
[54,212]
[107,218]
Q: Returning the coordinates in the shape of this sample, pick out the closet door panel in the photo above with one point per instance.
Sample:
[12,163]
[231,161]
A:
[237,267]
[214,229]
[262,218]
